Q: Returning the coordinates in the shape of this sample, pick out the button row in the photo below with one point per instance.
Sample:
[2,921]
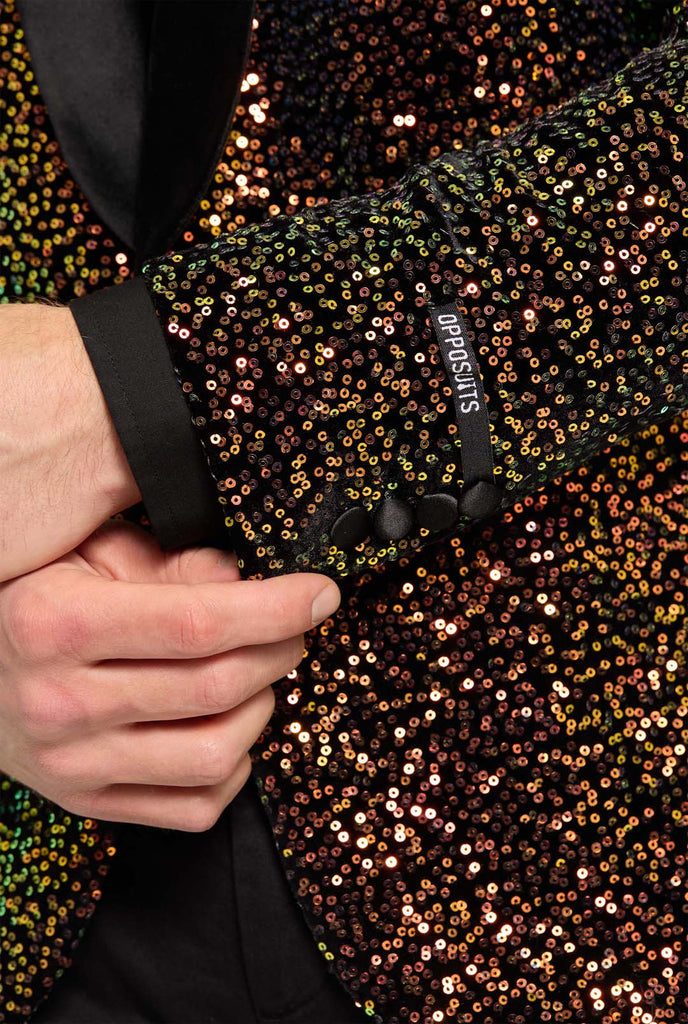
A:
[395,517]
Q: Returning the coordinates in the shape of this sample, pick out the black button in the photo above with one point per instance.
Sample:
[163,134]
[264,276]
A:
[352,527]
[437,511]
[480,500]
[393,519]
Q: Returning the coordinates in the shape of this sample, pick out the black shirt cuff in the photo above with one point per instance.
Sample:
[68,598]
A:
[126,345]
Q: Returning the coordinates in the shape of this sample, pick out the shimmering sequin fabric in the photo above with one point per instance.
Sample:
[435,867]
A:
[306,350]
[477,776]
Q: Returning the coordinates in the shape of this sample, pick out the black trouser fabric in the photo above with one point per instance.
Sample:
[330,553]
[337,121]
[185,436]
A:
[199,928]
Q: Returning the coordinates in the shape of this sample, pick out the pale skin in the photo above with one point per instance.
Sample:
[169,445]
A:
[133,682]
[62,467]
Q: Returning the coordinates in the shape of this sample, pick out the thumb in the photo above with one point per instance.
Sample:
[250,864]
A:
[125,551]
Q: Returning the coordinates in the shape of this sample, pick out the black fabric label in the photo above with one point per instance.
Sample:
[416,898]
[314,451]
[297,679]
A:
[467,388]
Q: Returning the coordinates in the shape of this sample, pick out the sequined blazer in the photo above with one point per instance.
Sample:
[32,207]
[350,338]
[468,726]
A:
[406,305]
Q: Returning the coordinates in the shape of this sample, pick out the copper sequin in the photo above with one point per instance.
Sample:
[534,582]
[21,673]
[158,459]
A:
[477,776]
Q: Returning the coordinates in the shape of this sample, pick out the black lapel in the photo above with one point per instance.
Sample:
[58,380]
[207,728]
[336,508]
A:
[90,62]
[197,57]
[141,94]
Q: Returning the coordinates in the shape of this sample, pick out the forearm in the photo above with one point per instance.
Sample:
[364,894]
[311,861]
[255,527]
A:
[62,466]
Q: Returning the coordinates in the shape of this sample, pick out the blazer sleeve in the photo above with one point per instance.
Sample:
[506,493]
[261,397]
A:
[379,371]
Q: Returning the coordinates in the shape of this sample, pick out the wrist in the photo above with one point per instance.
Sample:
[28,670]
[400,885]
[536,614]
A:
[61,464]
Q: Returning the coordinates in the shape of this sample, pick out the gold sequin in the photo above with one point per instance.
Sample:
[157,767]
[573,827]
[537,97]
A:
[477,775]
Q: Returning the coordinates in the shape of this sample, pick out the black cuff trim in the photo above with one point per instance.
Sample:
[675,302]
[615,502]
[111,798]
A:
[126,345]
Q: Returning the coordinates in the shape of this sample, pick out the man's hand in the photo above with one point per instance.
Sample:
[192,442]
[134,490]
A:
[62,467]
[133,682]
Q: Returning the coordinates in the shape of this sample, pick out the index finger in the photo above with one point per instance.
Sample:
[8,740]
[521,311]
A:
[104,618]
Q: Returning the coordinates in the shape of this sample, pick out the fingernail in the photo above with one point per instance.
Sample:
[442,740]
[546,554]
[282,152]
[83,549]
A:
[325,603]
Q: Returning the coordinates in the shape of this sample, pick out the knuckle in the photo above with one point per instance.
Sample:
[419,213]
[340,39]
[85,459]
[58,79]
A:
[211,688]
[47,712]
[27,618]
[246,682]
[243,772]
[239,778]
[70,629]
[197,628]
[243,769]
[213,764]
[81,804]
[202,814]
[34,711]
[208,807]
[55,765]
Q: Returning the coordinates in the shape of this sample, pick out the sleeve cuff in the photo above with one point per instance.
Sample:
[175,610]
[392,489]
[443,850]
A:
[126,345]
